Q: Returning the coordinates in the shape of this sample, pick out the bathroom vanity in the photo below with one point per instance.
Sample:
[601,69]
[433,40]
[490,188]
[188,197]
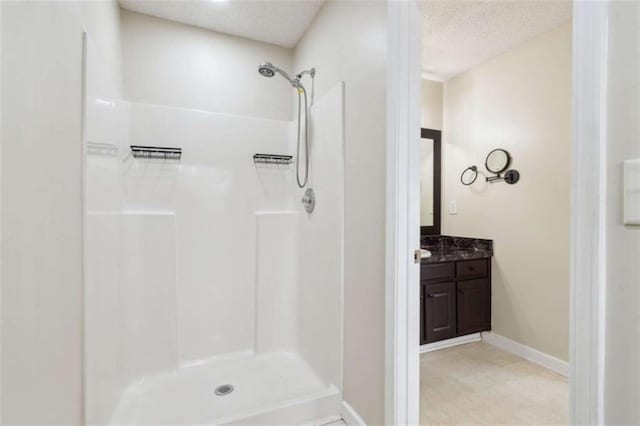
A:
[455,287]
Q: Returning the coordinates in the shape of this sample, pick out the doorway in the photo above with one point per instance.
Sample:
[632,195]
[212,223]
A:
[587,35]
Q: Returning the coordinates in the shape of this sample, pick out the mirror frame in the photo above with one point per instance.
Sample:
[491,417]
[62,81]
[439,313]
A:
[436,136]
[506,166]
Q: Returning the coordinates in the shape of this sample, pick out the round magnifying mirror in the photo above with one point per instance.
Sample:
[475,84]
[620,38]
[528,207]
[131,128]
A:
[497,161]
[469,175]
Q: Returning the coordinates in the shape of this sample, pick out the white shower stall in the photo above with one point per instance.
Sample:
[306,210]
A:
[211,296]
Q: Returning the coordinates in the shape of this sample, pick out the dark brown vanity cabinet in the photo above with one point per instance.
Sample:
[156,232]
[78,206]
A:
[455,299]
[473,306]
[440,311]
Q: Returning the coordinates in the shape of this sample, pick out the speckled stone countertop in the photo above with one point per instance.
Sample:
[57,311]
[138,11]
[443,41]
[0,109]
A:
[446,248]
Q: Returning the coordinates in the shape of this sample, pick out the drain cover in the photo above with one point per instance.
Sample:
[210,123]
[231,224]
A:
[224,390]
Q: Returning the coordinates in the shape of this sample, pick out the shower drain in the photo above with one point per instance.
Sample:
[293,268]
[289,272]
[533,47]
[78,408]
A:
[223,390]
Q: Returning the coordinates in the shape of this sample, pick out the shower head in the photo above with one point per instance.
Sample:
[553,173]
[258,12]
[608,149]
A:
[267,69]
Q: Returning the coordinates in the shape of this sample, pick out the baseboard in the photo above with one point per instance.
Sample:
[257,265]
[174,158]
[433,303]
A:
[537,357]
[351,416]
[475,337]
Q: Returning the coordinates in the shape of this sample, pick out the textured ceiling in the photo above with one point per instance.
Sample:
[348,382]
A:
[280,22]
[460,34]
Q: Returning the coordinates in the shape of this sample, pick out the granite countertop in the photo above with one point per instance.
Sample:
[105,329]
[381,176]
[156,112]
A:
[445,248]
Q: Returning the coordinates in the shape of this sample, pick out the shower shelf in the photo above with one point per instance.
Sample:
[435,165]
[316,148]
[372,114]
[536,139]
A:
[272,159]
[155,152]
[102,148]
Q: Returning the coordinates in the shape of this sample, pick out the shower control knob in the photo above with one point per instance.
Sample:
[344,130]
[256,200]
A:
[309,200]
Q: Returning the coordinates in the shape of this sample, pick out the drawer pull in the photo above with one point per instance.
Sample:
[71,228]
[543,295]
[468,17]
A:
[430,295]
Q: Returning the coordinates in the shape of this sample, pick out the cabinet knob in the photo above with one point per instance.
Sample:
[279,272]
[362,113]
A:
[429,295]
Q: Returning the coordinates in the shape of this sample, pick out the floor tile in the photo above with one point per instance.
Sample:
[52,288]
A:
[479,384]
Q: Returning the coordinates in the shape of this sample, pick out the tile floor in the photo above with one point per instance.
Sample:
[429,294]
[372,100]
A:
[478,384]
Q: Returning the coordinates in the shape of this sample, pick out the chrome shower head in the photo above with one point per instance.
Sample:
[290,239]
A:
[267,69]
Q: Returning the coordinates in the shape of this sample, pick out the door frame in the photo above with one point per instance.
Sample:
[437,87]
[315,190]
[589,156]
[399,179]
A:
[402,279]
[402,293]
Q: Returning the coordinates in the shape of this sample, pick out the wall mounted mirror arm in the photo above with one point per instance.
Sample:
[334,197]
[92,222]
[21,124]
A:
[510,177]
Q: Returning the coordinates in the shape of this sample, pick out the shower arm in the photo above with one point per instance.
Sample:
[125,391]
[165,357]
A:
[311,72]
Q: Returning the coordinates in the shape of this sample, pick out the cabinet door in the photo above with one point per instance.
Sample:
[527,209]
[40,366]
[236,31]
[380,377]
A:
[439,311]
[474,306]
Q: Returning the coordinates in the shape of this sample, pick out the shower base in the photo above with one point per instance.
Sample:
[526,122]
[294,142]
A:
[271,388]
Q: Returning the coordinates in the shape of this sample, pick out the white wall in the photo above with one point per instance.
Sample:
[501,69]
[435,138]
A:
[521,101]
[41,206]
[239,285]
[169,63]
[319,289]
[432,104]
[102,22]
[105,122]
[347,42]
[622,347]
[106,119]
[214,192]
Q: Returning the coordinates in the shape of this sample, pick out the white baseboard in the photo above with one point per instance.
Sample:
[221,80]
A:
[351,416]
[429,347]
[552,363]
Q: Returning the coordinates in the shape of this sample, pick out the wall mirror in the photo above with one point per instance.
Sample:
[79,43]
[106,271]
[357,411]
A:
[497,161]
[430,181]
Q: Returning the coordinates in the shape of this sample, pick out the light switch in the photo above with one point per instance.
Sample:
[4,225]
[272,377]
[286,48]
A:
[632,192]
[453,207]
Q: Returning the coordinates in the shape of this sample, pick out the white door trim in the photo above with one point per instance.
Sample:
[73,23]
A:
[588,207]
[587,218]
[402,292]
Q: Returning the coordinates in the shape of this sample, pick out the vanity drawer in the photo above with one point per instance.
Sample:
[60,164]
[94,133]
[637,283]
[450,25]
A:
[472,269]
[437,272]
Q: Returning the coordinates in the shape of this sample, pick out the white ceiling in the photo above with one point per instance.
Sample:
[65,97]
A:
[279,22]
[460,34]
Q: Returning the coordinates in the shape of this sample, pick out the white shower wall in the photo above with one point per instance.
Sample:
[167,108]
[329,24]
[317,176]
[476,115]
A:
[210,255]
[319,299]
[214,191]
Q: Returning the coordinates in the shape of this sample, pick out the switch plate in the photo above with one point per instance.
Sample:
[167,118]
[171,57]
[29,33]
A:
[632,192]
[453,207]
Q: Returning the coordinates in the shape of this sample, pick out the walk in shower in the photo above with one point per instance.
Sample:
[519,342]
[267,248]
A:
[211,295]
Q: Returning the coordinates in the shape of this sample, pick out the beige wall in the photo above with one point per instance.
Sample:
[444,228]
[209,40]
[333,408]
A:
[347,42]
[42,204]
[432,104]
[168,63]
[521,101]
[622,348]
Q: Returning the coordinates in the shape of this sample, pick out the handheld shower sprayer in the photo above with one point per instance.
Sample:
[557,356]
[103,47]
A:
[267,69]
